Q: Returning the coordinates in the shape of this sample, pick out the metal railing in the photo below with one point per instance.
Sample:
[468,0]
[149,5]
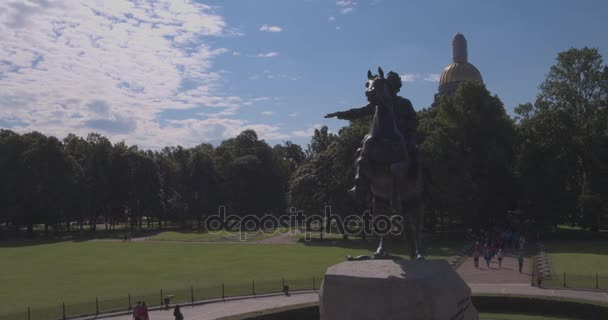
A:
[182,296]
[573,281]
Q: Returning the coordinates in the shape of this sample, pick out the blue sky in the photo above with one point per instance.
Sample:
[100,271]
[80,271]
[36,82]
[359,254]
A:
[158,73]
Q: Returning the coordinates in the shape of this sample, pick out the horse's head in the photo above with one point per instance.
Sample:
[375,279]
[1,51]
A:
[377,89]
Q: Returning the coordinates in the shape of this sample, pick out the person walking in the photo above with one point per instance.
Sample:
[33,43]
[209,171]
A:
[499,255]
[136,310]
[520,261]
[476,258]
[488,256]
[177,313]
[144,312]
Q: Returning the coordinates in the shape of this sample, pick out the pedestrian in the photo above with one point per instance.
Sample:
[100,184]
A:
[136,310]
[476,258]
[499,255]
[144,312]
[177,313]
[520,261]
[487,256]
[522,242]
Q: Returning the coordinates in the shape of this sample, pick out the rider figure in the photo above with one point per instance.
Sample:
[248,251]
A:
[405,120]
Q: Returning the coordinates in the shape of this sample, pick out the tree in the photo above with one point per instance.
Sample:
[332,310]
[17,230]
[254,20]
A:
[321,139]
[568,123]
[467,141]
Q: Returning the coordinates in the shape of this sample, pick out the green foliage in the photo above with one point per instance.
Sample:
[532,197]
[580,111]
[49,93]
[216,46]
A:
[328,173]
[563,142]
[90,181]
[467,142]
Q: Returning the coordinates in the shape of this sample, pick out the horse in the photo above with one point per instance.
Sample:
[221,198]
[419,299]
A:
[384,162]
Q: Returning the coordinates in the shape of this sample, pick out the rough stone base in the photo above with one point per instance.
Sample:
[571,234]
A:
[387,290]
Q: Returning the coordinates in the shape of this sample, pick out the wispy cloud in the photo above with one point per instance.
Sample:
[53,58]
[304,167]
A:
[306,132]
[115,66]
[267,28]
[411,77]
[432,77]
[331,19]
[346,6]
[267,55]
[267,113]
[293,114]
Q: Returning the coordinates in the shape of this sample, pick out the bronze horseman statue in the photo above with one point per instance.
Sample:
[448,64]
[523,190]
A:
[388,171]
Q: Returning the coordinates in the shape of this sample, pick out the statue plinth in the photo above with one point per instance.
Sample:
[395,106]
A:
[395,289]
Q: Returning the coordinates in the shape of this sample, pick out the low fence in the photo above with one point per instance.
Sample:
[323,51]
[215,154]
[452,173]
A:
[574,281]
[182,296]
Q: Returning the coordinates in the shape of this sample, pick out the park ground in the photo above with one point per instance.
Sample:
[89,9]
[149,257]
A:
[47,274]
[43,274]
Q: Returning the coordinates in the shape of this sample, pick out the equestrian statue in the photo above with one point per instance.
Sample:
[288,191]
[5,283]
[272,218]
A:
[388,169]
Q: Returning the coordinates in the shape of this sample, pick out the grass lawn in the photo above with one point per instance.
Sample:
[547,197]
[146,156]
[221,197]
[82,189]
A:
[46,274]
[215,236]
[580,260]
[512,316]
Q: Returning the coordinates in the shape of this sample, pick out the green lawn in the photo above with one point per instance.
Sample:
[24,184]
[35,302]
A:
[512,316]
[580,260]
[47,274]
[215,236]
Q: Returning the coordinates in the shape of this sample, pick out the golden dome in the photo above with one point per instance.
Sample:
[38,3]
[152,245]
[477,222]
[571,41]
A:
[459,71]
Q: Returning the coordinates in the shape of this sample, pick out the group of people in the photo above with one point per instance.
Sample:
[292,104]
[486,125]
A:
[496,241]
[140,312]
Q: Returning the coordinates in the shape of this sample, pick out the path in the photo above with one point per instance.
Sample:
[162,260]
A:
[217,310]
[508,273]
[276,239]
[221,309]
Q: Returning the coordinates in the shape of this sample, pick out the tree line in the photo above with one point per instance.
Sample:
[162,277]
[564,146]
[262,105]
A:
[547,165]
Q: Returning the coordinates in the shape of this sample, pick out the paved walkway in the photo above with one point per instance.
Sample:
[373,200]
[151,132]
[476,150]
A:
[528,290]
[507,273]
[483,280]
[216,310]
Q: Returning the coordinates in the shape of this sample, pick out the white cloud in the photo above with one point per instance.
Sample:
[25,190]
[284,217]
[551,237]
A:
[293,114]
[346,6]
[432,77]
[115,66]
[345,3]
[409,77]
[267,113]
[306,133]
[267,28]
[338,27]
[267,55]
[331,19]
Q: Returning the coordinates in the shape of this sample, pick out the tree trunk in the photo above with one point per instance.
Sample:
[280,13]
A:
[30,230]
[46,229]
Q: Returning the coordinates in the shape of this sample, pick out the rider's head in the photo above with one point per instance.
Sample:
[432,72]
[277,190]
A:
[394,80]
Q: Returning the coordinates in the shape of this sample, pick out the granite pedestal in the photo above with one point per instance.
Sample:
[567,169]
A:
[395,289]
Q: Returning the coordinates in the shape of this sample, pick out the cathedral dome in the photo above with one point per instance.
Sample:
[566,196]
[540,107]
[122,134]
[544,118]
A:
[460,69]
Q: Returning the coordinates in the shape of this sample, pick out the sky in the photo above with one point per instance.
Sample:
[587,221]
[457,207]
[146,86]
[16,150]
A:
[159,73]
